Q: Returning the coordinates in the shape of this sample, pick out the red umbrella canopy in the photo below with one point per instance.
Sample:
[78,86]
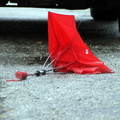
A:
[68,51]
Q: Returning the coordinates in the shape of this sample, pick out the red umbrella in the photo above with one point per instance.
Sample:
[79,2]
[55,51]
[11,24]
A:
[67,50]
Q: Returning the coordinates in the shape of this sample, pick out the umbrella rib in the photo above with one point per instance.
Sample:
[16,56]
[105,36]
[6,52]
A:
[55,58]
[64,65]
[46,62]
[51,62]
[80,21]
[61,66]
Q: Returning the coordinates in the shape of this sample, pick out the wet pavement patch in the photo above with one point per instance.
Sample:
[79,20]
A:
[2,111]
[1,105]
[2,108]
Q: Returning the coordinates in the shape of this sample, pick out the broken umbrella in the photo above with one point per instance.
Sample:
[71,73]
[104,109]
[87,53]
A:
[67,50]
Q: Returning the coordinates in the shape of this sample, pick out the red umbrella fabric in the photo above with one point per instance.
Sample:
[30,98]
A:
[68,51]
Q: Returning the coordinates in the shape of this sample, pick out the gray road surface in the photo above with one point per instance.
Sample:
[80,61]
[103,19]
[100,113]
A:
[56,96]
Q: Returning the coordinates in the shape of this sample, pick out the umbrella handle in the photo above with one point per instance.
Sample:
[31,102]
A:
[23,75]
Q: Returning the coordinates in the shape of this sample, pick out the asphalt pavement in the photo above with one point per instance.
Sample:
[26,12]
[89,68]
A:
[56,96]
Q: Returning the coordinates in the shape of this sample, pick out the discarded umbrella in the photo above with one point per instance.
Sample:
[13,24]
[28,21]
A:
[67,50]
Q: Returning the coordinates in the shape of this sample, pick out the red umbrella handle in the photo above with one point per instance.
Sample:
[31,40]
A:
[21,75]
